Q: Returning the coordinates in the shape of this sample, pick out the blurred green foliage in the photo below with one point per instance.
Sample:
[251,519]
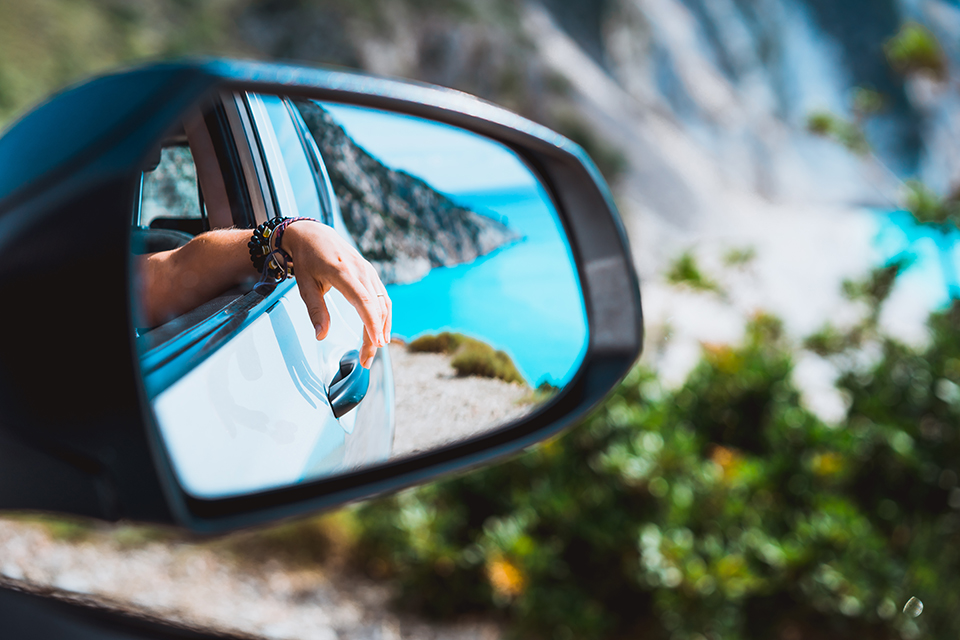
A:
[685,270]
[914,49]
[47,44]
[848,134]
[304,542]
[477,47]
[830,341]
[59,527]
[927,207]
[739,256]
[875,288]
[872,291]
[722,509]
[941,214]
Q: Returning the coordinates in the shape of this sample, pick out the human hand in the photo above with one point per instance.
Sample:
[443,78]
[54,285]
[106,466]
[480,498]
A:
[322,259]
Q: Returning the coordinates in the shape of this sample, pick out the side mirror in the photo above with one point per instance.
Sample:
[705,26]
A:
[497,241]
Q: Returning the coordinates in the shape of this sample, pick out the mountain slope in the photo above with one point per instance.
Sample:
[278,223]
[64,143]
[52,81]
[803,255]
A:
[401,224]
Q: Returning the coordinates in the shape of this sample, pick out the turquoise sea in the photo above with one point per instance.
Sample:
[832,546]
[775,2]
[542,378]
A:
[930,254]
[523,298]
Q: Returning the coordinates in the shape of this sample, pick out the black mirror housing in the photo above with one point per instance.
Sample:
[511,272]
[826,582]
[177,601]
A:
[77,433]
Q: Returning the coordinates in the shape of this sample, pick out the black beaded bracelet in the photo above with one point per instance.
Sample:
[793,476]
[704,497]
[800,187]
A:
[260,248]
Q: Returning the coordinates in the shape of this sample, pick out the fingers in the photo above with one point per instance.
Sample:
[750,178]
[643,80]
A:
[312,296]
[367,351]
[323,260]
[386,305]
[372,283]
[369,297]
[362,296]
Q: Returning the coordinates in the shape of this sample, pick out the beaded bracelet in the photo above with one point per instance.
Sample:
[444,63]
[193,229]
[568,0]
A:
[281,228]
[259,247]
[266,253]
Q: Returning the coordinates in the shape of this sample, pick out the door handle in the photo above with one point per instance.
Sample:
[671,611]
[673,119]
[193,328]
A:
[349,385]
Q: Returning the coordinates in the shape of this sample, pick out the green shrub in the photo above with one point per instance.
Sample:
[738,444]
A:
[915,49]
[59,527]
[829,340]
[685,271]
[739,256]
[876,287]
[848,134]
[927,207]
[475,358]
[471,357]
[720,509]
[445,342]
[820,123]
[544,392]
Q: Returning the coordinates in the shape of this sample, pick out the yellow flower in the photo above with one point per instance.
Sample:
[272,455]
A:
[723,357]
[727,459]
[505,578]
[827,464]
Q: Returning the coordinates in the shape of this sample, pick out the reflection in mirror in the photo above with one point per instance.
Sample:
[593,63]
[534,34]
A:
[488,319]
[487,309]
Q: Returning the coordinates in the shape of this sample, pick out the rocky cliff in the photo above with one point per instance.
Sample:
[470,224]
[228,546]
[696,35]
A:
[399,222]
[695,108]
[690,105]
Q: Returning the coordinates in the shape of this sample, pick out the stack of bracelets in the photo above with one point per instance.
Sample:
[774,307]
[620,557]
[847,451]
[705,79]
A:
[267,255]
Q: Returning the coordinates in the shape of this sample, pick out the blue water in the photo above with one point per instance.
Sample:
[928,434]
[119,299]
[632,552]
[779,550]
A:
[931,256]
[523,298]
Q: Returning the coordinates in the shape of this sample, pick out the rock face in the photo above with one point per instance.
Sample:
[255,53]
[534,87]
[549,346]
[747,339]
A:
[402,225]
[707,100]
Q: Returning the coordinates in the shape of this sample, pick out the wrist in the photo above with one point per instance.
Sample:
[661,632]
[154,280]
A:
[294,234]
[261,246]
[267,250]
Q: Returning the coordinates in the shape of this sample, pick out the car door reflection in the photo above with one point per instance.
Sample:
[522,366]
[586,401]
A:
[231,412]
[302,376]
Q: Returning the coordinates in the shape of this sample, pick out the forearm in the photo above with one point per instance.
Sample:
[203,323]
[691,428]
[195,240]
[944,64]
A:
[174,282]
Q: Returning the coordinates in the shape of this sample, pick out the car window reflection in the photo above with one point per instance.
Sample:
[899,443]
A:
[295,175]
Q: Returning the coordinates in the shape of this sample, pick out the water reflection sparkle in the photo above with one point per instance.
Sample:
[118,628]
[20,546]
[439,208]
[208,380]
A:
[914,607]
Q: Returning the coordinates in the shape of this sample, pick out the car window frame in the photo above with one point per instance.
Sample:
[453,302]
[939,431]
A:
[266,138]
[170,351]
[321,178]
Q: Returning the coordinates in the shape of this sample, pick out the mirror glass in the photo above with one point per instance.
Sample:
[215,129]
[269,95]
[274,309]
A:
[488,319]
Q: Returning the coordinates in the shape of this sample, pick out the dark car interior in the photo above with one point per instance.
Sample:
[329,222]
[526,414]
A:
[196,180]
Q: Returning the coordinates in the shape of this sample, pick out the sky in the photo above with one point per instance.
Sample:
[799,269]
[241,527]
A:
[450,159]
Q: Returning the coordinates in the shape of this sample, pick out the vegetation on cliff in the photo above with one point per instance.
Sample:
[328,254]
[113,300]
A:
[471,357]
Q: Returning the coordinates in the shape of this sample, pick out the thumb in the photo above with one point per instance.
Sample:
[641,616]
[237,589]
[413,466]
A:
[316,307]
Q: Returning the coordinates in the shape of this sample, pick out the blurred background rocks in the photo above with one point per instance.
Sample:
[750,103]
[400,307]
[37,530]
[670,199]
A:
[727,83]
[695,110]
